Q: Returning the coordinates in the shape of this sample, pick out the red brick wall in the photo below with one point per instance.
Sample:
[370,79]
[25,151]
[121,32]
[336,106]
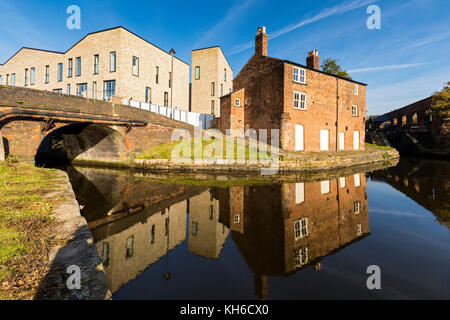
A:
[232,117]
[321,110]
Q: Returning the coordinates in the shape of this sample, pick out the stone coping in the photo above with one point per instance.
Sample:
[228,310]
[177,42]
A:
[76,248]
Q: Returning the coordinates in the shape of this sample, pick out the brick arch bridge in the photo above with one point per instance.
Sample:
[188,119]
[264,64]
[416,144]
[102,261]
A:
[42,125]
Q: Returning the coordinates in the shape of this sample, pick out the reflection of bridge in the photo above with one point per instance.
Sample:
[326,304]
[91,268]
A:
[426,182]
[34,123]
[278,229]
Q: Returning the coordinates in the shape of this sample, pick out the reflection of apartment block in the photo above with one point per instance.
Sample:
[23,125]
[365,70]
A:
[128,253]
[206,234]
[212,77]
[104,64]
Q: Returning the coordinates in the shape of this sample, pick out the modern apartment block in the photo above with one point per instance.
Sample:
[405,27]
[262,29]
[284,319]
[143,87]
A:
[313,110]
[104,64]
[212,77]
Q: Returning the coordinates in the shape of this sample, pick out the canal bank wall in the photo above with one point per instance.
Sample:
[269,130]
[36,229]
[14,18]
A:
[76,255]
[293,163]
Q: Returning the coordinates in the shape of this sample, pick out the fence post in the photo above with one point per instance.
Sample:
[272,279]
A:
[2,148]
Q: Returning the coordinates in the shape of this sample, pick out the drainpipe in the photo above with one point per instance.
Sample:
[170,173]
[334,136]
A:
[172,53]
[337,113]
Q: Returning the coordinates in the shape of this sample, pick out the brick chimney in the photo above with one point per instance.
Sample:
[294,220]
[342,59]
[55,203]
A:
[261,42]
[313,61]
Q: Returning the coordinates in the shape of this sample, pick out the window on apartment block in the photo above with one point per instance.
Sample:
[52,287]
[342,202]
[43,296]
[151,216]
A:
[57,90]
[82,89]
[194,228]
[112,61]
[157,75]
[13,79]
[130,247]
[135,63]
[301,228]
[299,75]
[68,89]
[221,89]
[105,254]
[1,80]
[70,69]
[357,207]
[152,239]
[213,89]
[94,90]
[148,95]
[301,256]
[78,67]
[96,63]
[26,77]
[299,100]
[197,73]
[354,111]
[7,79]
[225,75]
[212,106]
[356,90]
[237,102]
[166,99]
[170,79]
[109,89]
[60,72]
[32,76]
[211,212]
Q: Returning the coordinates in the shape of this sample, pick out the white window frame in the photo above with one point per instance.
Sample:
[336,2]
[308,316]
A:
[297,75]
[356,207]
[237,102]
[354,110]
[301,228]
[237,218]
[135,66]
[299,262]
[299,101]
[356,89]
[325,187]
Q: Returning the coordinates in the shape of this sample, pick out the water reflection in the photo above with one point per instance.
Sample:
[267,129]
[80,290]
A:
[277,229]
[425,181]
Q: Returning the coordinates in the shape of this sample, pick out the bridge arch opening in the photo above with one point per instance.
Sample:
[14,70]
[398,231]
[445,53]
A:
[80,141]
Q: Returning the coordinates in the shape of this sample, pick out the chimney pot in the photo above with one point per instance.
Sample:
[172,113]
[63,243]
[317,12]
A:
[313,60]
[261,42]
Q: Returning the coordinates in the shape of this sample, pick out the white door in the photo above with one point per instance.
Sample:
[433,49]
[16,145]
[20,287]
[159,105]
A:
[299,144]
[355,140]
[341,141]
[299,193]
[324,140]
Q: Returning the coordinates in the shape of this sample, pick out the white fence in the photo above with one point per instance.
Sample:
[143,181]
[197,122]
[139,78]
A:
[199,120]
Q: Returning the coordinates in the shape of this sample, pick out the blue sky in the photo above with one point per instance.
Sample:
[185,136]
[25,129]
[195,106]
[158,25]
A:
[407,60]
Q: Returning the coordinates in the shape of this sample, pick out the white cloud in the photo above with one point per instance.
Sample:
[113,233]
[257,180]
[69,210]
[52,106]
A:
[228,18]
[325,13]
[390,67]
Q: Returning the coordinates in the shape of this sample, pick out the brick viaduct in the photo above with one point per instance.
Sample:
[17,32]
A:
[37,123]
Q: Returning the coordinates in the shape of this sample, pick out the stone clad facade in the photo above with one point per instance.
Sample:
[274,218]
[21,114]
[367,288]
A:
[323,112]
[97,70]
[212,77]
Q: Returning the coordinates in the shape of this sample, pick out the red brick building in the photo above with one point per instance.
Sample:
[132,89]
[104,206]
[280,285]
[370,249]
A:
[314,110]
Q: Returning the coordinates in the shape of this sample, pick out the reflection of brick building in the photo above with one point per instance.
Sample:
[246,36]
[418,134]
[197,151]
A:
[289,226]
[314,110]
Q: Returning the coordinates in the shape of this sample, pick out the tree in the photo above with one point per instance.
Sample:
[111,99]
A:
[331,66]
[440,102]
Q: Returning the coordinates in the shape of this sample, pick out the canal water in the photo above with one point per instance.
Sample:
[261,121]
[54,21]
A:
[171,237]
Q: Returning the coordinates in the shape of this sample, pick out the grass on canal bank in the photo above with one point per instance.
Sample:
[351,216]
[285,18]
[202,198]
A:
[25,228]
